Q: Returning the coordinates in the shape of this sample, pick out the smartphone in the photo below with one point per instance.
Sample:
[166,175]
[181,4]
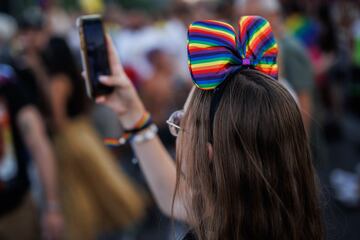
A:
[94,54]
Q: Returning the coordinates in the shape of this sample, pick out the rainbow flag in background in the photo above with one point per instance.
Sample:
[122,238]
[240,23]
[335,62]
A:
[303,28]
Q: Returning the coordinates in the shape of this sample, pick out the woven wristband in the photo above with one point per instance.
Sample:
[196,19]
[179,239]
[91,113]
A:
[144,122]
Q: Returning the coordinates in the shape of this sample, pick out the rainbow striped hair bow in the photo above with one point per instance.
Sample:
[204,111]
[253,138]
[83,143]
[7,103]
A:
[214,51]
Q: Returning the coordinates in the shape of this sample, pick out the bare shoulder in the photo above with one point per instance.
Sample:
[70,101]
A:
[28,120]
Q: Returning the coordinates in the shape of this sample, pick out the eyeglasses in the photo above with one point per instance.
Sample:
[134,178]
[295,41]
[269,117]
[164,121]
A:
[174,122]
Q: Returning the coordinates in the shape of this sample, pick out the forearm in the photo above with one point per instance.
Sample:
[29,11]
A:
[33,132]
[160,172]
[44,158]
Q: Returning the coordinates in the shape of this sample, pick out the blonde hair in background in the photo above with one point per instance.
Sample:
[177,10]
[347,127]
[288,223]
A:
[97,196]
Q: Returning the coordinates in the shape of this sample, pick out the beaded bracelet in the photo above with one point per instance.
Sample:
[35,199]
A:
[145,135]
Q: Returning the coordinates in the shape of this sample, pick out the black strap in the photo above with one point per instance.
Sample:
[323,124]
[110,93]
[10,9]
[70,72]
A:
[136,130]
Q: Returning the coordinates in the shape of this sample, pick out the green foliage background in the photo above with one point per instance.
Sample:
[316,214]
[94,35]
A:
[18,6]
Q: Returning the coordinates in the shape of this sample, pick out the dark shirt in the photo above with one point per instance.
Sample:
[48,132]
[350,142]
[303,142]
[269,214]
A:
[56,59]
[59,60]
[12,100]
[29,84]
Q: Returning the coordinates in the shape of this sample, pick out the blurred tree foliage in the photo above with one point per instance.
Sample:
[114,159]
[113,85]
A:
[147,5]
[152,5]
[16,7]
[68,4]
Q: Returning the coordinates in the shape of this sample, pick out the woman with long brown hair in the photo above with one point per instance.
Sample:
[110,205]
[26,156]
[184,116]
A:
[243,168]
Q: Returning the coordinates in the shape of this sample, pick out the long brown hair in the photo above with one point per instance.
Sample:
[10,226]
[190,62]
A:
[260,182]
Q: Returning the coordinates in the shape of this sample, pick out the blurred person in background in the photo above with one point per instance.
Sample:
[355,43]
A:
[21,106]
[23,132]
[318,33]
[134,40]
[27,60]
[355,92]
[334,71]
[295,63]
[337,84]
[90,182]
[66,91]
[34,61]
[327,29]
[159,89]
[174,38]
[96,194]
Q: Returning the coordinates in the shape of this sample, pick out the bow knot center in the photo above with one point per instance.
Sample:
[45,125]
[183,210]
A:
[246,62]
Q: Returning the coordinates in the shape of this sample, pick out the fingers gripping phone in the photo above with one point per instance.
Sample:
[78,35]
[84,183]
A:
[94,54]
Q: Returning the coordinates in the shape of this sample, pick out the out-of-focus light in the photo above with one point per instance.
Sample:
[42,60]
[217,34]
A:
[196,1]
[92,6]
[191,1]
[8,27]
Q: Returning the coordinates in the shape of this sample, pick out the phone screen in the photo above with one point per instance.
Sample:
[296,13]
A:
[96,53]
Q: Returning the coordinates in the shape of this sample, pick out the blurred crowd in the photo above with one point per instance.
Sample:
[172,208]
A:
[57,178]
